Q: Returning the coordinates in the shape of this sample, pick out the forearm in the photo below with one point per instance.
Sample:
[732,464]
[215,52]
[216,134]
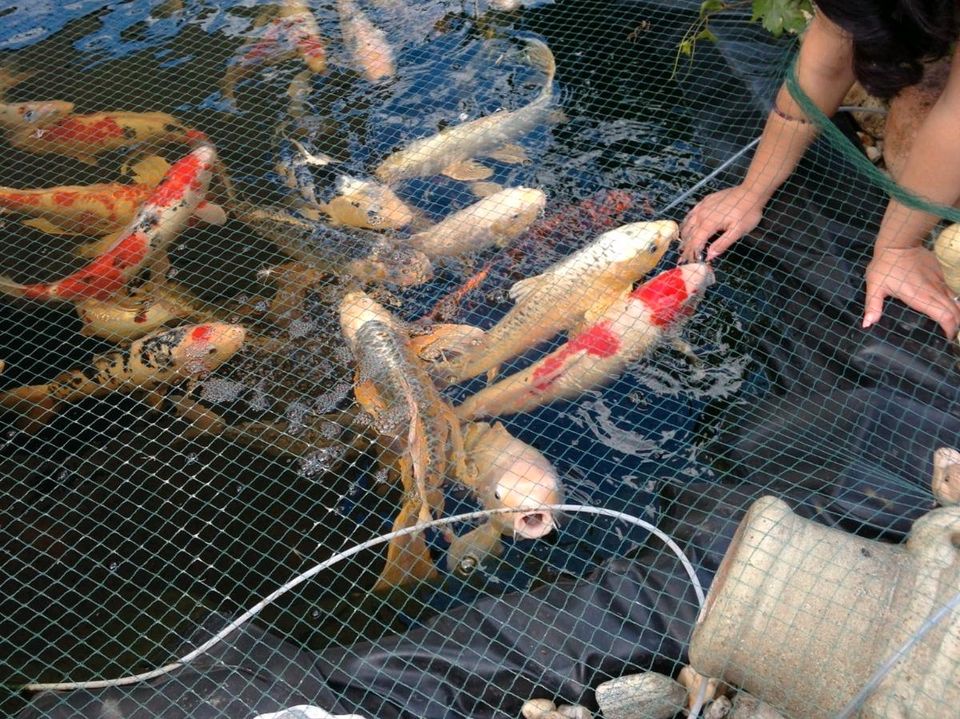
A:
[825,72]
[932,171]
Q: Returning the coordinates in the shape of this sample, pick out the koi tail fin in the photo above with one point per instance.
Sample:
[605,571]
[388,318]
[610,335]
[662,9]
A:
[541,56]
[11,288]
[32,403]
[408,558]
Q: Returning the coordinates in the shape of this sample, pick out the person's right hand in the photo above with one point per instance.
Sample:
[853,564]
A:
[732,212]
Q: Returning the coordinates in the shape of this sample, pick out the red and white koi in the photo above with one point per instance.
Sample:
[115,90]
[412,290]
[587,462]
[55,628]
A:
[159,220]
[504,472]
[163,358]
[629,329]
[567,294]
[95,210]
[83,137]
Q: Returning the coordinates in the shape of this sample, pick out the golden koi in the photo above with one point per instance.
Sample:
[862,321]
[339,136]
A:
[159,220]
[574,290]
[494,220]
[411,416]
[367,43]
[83,137]
[367,204]
[629,329]
[125,318]
[504,472]
[162,358]
[291,31]
[33,115]
[451,151]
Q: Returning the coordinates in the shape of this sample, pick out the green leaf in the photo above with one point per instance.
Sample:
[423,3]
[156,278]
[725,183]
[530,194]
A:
[705,34]
[686,47]
[779,16]
[709,7]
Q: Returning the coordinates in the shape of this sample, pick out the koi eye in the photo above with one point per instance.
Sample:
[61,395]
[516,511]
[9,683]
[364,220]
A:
[467,565]
[30,115]
[498,493]
[212,351]
[652,249]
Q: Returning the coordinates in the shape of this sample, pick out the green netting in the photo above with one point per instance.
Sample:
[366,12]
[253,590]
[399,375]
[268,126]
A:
[258,365]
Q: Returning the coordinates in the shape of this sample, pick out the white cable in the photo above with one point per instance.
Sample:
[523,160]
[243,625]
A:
[313,571]
[878,676]
[739,153]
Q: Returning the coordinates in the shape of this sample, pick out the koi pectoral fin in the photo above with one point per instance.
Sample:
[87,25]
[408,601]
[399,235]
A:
[468,170]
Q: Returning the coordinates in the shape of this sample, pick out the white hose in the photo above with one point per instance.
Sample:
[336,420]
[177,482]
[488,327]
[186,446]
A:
[313,571]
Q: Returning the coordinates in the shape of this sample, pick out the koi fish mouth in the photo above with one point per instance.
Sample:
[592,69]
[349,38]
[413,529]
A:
[533,525]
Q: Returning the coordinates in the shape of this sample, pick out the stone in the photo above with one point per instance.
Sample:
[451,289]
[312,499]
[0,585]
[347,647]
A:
[641,696]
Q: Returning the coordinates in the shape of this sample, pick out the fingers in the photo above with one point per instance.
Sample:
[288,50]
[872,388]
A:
[719,245]
[873,306]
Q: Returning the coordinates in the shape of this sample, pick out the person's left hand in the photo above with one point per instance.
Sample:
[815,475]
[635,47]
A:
[912,275]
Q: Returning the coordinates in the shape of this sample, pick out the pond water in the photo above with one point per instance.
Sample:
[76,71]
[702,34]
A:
[118,527]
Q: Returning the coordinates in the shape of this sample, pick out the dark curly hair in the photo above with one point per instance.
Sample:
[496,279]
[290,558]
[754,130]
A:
[892,38]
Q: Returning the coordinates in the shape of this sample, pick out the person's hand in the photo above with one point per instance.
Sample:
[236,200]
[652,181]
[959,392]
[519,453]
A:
[733,212]
[912,275]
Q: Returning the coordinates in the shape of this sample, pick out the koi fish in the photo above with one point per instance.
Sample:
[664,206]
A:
[125,318]
[575,289]
[162,358]
[411,417]
[83,137]
[357,203]
[332,250]
[367,43]
[33,115]
[291,31]
[629,329]
[494,220]
[451,151]
[95,210]
[504,472]
[159,220]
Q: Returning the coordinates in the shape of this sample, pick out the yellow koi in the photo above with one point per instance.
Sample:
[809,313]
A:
[367,43]
[451,151]
[33,115]
[494,220]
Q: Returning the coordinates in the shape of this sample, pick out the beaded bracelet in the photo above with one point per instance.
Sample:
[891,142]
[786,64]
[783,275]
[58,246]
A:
[789,118]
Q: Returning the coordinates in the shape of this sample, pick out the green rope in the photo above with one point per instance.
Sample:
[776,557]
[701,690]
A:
[881,179]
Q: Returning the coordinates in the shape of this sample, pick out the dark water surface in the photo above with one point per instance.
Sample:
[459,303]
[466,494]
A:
[115,530]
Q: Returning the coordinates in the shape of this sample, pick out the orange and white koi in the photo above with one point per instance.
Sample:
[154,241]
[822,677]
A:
[410,416]
[159,220]
[162,358]
[504,472]
[291,30]
[629,329]
[451,151]
[93,210]
[572,291]
[367,44]
[34,114]
[83,137]
[495,220]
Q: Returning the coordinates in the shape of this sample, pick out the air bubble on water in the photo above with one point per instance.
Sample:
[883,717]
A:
[328,401]
[219,389]
[114,565]
[295,414]
[315,614]
[301,328]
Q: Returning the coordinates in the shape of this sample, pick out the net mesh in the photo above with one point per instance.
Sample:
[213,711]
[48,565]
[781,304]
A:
[275,363]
